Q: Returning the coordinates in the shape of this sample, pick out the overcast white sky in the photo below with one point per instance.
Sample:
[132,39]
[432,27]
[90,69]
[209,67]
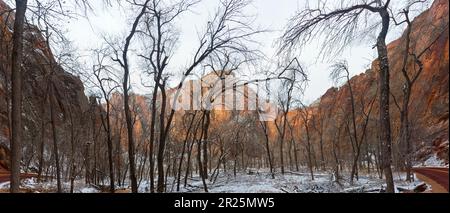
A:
[270,14]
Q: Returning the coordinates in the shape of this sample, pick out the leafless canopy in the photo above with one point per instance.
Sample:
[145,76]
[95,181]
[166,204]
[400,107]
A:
[339,70]
[338,26]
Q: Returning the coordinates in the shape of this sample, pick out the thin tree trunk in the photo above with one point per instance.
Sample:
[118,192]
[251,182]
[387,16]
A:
[336,159]
[405,135]
[290,155]
[110,149]
[55,140]
[188,163]
[191,148]
[128,118]
[199,155]
[41,147]
[131,154]
[385,122]
[322,157]
[266,137]
[152,139]
[16,95]
[72,149]
[107,127]
[295,156]
[309,153]
[183,151]
[200,165]
[162,140]
[205,143]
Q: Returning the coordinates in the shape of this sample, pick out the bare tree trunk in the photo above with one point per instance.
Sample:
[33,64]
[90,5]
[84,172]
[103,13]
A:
[295,148]
[296,157]
[42,144]
[322,157]
[282,135]
[266,137]
[235,164]
[200,165]
[55,140]
[162,140]
[308,141]
[16,84]
[152,139]
[405,134]
[199,154]
[304,114]
[216,172]
[191,148]
[369,157]
[183,151]
[119,154]
[356,146]
[72,177]
[290,155]
[94,141]
[72,151]
[385,122]
[188,163]
[131,154]
[128,117]
[107,126]
[167,171]
[87,162]
[110,149]
[205,143]
[336,159]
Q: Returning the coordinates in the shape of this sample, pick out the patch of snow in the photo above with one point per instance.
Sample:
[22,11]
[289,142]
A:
[4,185]
[433,161]
[88,190]
[144,187]
[30,183]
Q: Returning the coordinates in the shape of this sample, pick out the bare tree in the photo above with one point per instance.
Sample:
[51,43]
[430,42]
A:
[339,71]
[411,75]
[107,84]
[285,101]
[340,27]
[124,64]
[294,80]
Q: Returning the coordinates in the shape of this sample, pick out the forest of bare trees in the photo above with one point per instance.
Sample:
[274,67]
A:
[119,138]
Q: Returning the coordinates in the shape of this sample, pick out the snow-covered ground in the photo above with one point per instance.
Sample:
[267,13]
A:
[293,182]
[433,161]
[31,185]
[257,181]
